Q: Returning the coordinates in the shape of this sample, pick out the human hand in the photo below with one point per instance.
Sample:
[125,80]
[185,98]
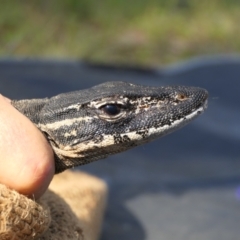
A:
[26,158]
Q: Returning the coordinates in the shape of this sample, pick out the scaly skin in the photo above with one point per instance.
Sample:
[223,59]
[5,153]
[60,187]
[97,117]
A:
[87,125]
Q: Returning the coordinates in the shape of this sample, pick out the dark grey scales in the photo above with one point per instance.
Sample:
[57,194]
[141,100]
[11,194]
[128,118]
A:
[112,117]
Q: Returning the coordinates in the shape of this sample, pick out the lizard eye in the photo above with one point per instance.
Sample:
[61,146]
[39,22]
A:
[112,112]
[111,109]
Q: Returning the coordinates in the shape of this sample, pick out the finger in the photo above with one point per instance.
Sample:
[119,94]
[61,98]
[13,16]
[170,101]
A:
[26,158]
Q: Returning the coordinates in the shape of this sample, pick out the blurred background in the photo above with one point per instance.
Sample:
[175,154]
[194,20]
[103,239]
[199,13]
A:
[185,186]
[137,32]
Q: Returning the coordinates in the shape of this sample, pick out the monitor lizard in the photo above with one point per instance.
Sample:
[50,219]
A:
[87,125]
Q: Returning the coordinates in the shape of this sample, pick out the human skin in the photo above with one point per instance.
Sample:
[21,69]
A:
[26,158]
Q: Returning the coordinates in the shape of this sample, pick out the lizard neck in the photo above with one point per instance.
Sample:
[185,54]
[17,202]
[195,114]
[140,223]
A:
[31,108]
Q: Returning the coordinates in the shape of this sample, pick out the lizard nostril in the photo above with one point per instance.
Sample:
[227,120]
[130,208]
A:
[181,97]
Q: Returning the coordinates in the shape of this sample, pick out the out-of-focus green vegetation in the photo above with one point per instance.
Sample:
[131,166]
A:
[142,32]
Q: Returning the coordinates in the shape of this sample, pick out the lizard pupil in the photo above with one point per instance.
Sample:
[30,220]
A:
[111,109]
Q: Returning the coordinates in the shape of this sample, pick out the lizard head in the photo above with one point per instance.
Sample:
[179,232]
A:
[112,117]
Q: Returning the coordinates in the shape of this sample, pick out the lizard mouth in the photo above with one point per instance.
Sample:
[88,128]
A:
[205,105]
